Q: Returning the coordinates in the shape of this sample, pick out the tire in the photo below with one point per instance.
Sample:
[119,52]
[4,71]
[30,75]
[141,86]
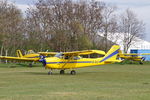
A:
[30,65]
[73,72]
[49,73]
[62,72]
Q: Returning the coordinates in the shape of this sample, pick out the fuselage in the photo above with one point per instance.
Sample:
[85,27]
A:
[134,58]
[58,63]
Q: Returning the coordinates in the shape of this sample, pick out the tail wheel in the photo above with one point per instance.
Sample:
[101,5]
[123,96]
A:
[73,72]
[62,72]
[141,63]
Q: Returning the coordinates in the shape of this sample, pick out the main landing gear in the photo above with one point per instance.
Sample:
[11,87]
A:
[73,72]
[50,72]
[30,65]
[62,71]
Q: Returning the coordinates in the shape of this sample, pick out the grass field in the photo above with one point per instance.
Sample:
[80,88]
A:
[108,82]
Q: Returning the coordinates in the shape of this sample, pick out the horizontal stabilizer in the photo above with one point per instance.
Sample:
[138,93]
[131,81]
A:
[112,61]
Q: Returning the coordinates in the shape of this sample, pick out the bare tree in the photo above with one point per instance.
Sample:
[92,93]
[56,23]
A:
[131,28]
[62,23]
[109,25]
[10,30]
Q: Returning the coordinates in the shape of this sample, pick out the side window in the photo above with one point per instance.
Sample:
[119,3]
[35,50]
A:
[59,55]
[76,58]
[70,57]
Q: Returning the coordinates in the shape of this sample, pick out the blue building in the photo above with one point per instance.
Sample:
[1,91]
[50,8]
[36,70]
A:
[139,51]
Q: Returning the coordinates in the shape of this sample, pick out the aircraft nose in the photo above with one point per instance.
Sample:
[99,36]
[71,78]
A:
[43,61]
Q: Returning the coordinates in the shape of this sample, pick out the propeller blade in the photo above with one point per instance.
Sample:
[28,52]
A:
[42,60]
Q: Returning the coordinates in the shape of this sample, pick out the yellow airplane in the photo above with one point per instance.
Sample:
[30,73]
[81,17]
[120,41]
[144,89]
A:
[132,56]
[31,56]
[72,60]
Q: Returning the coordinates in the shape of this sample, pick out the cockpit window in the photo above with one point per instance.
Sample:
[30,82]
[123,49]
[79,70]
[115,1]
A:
[30,52]
[76,57]
[59,55]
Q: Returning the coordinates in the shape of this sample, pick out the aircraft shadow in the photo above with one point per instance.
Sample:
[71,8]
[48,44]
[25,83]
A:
[43,73]
[34,73]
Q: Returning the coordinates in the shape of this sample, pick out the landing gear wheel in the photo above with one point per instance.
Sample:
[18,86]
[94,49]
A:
[141,63]
[30,65]
[73,72]
[62,72]
[49,73]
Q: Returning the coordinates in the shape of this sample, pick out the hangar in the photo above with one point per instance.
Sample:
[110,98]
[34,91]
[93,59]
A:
[138,46]
[141,46]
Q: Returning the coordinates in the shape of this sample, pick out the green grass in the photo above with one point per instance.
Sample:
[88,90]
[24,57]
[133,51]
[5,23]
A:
[108,82]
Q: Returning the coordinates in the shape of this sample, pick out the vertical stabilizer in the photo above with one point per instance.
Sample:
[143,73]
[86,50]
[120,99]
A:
[19,54]
[111,54]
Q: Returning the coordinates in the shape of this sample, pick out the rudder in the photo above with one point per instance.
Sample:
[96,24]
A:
[19,54]
[112,53]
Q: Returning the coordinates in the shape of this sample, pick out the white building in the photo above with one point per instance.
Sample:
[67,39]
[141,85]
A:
[118,39]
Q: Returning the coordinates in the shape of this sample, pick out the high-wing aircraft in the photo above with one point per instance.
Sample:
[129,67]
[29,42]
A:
[72,60]
[31,56]
[133,56]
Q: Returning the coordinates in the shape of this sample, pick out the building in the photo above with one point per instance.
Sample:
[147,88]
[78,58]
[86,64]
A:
[140,46]
[140,51]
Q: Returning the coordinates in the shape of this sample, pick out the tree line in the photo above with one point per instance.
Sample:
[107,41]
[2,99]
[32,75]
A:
[65,25]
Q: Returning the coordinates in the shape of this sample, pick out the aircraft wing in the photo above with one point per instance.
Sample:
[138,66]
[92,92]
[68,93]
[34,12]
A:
[84,52]
[19,58]
[126,54]
[47,53]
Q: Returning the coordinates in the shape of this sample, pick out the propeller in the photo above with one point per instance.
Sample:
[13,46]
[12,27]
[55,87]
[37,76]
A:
[43,60]
[143,58]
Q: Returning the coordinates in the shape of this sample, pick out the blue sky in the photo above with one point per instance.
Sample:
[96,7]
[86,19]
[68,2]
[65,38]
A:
[140,7]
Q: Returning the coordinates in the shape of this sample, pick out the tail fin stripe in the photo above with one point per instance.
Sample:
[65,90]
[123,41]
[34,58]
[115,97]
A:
[112,54]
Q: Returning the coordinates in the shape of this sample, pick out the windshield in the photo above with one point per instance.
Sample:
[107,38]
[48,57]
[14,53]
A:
[58,55]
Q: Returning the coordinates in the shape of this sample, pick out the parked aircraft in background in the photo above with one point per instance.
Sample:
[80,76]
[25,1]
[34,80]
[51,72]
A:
[30,56]
[133,56]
